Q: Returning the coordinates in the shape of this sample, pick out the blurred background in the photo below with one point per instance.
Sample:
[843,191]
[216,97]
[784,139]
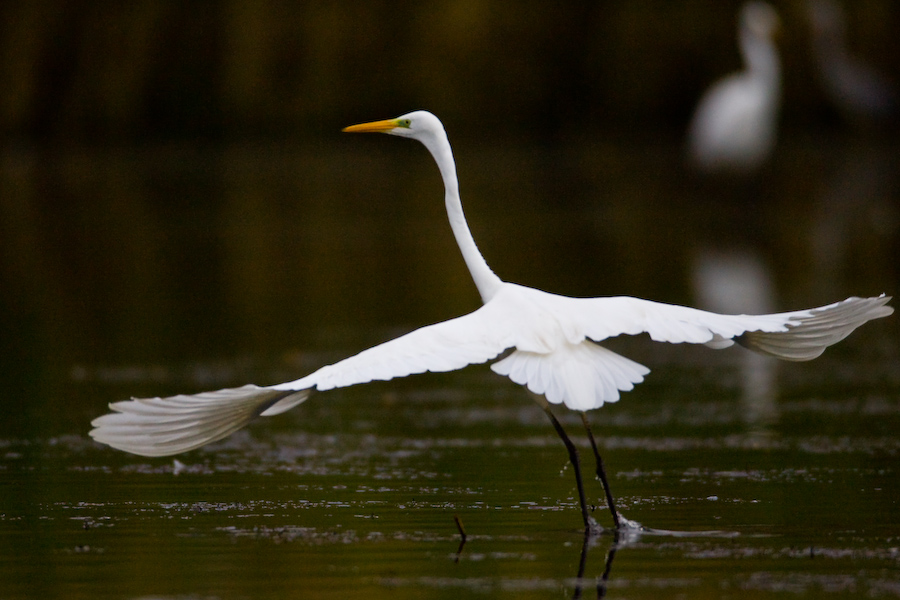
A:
[155,71]
[179,210]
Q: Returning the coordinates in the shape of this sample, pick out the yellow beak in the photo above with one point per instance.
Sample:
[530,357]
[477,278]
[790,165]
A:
[374,126]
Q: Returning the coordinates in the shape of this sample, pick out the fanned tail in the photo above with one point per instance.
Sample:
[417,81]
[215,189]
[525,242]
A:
[810,332]
[166,426]
[582,376]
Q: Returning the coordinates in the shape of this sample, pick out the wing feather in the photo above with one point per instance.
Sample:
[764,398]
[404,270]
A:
[809,332]
[166,426]
[797,335]
[470,339]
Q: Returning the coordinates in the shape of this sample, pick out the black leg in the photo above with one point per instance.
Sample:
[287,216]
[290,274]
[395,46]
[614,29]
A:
[601,473]
[601,585]
[607,568]
[582,562]
[573,458]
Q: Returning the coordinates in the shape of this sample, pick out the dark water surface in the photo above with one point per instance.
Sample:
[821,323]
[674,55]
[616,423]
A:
[145,273]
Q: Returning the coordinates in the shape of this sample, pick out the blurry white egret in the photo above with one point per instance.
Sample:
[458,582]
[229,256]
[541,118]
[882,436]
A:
[735,125]
[550,343]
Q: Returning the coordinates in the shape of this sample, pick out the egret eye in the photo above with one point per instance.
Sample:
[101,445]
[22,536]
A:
[404,123]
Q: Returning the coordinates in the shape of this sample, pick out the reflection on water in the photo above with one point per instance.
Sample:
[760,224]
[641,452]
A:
[150,272]
[739,282]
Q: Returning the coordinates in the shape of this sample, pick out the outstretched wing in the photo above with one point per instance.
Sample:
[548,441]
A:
[810,332]
[797,335]
[583,376]
[471,339]
[166,426]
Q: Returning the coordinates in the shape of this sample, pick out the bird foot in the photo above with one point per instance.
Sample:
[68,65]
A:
[592,528]
[626,528]
[627,525]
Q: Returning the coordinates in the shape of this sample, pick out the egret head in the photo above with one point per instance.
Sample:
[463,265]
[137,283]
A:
[423,126]
[760,20]
[418,125]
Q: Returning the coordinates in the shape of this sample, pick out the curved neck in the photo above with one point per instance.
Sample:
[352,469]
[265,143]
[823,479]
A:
[485,279]
[761,57]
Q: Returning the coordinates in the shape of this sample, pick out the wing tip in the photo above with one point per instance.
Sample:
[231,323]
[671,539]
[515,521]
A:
[809,333]
[176,424]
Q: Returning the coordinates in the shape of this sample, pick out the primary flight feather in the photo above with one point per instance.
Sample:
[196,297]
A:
[550,342]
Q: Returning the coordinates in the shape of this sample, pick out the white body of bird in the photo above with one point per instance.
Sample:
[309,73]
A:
[734,127]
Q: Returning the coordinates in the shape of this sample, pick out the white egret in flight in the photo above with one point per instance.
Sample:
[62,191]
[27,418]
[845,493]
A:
[546,342]
[734,127]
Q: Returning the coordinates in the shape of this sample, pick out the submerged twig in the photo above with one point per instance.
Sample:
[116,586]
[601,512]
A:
[462,535]
[459,526]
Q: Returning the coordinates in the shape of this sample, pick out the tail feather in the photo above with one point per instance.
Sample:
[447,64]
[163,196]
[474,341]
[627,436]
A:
[810,332]
[166,426]
[582,376]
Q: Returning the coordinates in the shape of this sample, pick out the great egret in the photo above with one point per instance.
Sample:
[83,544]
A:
[549,341]
[734,126]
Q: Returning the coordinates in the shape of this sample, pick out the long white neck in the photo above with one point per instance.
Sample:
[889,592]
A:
[761,58]
[485,279]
